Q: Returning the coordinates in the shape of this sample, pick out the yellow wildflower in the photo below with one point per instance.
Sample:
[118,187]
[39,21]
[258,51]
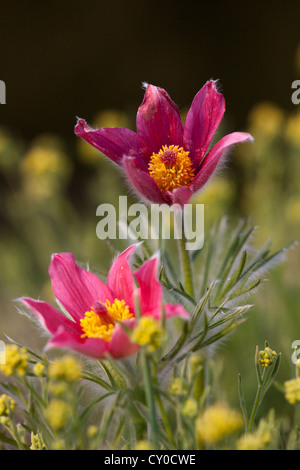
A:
[178,387]
[292,390]
[7,405]
[37,442]
[266,357]
[4,420]
[143,445]
[59,444]
[217,422]
[16,360]
[39,369]
[258,439]
[58,414]
[148,332]
[250,442]
[292,131]
[266,119]
[66,368]
[58,387]
[190,408]
[92,431]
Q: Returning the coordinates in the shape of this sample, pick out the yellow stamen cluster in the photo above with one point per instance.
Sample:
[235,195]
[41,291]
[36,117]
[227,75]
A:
[292,390]
[16,360]
[148,332]
[171,168]
[217,422]
[266,357]
[95,325]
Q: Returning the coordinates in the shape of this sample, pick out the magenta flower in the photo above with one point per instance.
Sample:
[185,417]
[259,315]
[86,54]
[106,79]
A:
[97,310]
[164,161]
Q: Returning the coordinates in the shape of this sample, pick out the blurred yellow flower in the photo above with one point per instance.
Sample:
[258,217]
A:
[178,387]
[143,445]
[7,405]
[45,167]
[217,191]
[217,422]
[292,210]
[39,369]
[266,119]
[58,414]
[292,390]
[148,332]
[251,441]
[16,360]
[190,408]
[92,431]
[292,129]
[67,367]
[260,438]
[37,442]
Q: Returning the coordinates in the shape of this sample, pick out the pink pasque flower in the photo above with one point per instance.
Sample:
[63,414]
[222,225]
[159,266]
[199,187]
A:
[164,161]
[97,309]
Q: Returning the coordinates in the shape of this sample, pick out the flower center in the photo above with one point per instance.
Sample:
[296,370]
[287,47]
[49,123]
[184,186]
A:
[100,321]
[171,168]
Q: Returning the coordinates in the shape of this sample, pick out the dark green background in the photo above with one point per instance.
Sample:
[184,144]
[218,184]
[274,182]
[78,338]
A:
[63,59]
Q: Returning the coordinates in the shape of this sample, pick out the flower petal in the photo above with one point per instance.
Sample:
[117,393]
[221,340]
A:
[202,121]
[115,142]
[49,317]
[92,347]
[181,195]
[215,155]
[120,344]
[149,288]
[158,119]
[142,182]
[75,288]
[176,310]
[120,279]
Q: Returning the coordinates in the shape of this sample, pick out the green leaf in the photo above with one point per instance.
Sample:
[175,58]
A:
[242,400]
[116,378]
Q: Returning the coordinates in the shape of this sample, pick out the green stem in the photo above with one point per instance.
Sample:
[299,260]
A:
[186,266]
[138,423]
[150,399]
[15,434]
[257,401]
[165,419]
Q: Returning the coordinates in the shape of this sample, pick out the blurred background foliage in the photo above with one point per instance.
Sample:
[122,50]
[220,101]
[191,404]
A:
[90,60]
